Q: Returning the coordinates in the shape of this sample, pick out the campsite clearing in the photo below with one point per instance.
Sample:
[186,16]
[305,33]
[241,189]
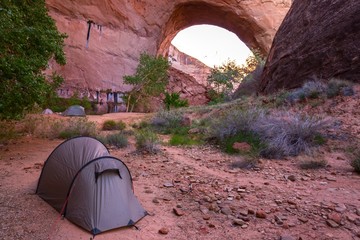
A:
[192,193]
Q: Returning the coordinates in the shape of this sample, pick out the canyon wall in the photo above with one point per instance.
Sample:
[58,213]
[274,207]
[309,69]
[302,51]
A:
[105,38]
[317,39]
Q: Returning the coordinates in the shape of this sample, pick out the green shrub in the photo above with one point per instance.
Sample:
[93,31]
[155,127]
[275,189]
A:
[215,97]
[172,100]
[249,137]
[281,97]
[7,131]
[118,140]
[319,139]
[143,124]
[355,161]
[109,125]
[147,141]
[181,140]
[167,121]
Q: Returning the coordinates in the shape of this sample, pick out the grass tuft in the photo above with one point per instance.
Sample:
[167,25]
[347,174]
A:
[312,163]
[109,125]
[147,141]
[118,140]
[167,121]
[246,163]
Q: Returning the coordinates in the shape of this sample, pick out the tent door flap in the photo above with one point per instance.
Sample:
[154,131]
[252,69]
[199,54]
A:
[114,170]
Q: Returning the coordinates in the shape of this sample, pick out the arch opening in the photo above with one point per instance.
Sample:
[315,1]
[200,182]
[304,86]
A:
[196,13]
[212,45]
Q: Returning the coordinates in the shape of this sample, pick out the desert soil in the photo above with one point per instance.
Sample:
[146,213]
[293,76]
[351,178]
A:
[193,193]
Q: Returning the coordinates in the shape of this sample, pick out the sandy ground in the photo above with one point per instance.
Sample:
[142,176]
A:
[276,200]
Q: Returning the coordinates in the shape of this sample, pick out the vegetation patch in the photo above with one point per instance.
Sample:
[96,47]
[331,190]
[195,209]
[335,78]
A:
[8,132]
[250,84]
[77,127]
[273,135]
[172,100]
[109,125]
[48,127]
[57,104]
[226,77]
[150,80]
[28,40]
[183,140]
[246,163]
[339,87]
[118,140]
[243,137]
[232,123]
[167,121]
[312,163]
[315,89]
[147,141]
[355,161]
[288,134]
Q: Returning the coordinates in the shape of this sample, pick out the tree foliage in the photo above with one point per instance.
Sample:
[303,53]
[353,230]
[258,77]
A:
[173,100]
[150,79]
[224,78]
[28,40]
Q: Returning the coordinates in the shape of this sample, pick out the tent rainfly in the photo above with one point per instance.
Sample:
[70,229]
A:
[89,187]
[75,110]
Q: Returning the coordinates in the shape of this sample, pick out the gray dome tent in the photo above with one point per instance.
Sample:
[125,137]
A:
[89,187]
[75,110]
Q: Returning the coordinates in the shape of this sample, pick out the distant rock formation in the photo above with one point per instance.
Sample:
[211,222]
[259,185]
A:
[106,38]
[189,65]
[318,38]
[187,87]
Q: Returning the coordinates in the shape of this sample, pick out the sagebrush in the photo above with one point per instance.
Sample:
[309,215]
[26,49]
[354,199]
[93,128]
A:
[281,134]
[147,141]
[118,140]
[167,121]
[288,134]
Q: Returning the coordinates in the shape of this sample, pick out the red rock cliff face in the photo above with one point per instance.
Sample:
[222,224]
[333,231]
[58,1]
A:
[187,87]
[120,30]
[189,65]
[317,38]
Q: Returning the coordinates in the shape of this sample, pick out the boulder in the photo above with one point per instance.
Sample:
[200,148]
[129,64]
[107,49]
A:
[318,38]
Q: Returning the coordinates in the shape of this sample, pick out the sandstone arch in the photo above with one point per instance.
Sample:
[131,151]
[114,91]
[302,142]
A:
[130,27]
[195,13]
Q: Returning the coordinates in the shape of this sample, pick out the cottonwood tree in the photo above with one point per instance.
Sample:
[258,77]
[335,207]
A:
[28,40]
[150,80]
